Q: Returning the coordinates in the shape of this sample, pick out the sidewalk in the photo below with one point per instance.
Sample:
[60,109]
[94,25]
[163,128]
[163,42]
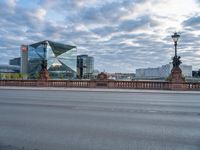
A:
[98,90]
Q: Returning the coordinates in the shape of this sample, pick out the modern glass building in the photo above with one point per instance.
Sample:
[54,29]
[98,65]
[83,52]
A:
[61,60]
[85,66]
[9,69]
[15,61]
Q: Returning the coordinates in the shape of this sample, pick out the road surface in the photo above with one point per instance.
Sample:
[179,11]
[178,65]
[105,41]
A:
[83,120]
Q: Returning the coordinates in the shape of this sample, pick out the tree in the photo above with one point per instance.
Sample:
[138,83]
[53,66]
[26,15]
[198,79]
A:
[1,76]
[62,76]
[37,75]
[12,76]
[16,76]
[20,76]
[7,76]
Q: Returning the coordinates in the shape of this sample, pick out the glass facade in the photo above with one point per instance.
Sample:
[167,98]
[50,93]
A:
[85,66]
[15,61]
[61,59]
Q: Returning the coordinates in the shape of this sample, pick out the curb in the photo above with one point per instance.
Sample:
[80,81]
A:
[98,90]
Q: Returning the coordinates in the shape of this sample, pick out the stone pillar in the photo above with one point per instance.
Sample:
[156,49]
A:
[176,75]
[44,75]
[111,84]
[177,80]
[92,84]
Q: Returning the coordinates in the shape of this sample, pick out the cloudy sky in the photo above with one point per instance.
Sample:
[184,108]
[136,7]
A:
[122,35]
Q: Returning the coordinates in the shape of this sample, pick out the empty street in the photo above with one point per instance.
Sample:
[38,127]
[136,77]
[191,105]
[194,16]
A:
[98,120]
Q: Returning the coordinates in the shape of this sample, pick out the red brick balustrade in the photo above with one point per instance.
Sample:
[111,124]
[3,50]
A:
[158,85]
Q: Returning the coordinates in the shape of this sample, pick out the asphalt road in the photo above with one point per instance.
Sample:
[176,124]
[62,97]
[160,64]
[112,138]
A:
[74,120]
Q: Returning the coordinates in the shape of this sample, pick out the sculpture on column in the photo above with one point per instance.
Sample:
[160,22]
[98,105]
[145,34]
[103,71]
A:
[176,72]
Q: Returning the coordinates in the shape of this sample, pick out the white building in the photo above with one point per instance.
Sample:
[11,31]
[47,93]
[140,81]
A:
[122,76]
[162,72]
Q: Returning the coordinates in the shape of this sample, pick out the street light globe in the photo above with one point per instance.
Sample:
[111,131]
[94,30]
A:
[175,37]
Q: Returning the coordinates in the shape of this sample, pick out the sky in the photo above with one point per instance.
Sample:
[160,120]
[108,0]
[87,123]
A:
[121,35]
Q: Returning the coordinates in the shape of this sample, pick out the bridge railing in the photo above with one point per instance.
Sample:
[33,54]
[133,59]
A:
[159,85]
[192,85]
[142,85]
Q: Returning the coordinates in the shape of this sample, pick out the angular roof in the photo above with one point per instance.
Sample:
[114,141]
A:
[53,44]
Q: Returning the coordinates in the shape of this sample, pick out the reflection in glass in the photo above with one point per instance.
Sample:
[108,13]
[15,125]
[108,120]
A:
[61,60]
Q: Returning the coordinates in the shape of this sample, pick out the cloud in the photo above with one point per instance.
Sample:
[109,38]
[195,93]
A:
[143,22]
[38,14]
[10,3]
[193,21]
[135,33]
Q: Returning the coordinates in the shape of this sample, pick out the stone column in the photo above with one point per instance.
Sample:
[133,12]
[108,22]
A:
[177,80]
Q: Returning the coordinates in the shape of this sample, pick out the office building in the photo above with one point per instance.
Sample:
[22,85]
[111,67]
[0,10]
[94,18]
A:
[122,76]
[85,67]
[61,59]
[15,61]
[24,59]
[9,69]
[162,72]
[196,73]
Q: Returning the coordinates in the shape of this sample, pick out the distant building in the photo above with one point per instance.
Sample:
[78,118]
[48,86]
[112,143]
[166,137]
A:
[122,76]
[9,72]
[196,74]
[162,72]
[15,61]
[24,59]
[95,73]
[85,66]
[9,69]
[61,59]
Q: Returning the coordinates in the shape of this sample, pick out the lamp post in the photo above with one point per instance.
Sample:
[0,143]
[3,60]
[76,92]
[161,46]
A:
[44,73]
[176,59]
[175,38]
[176,72]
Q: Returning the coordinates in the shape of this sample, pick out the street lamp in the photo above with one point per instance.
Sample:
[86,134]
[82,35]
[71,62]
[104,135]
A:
[175,38]
[43,72]
[176,59]
[176,72]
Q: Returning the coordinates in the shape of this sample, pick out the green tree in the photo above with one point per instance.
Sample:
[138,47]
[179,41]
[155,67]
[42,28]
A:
[7,76]
[25,76]
[12,76]
[1,76]
[37,75]
[20,76]
[62,76]
[16,76]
